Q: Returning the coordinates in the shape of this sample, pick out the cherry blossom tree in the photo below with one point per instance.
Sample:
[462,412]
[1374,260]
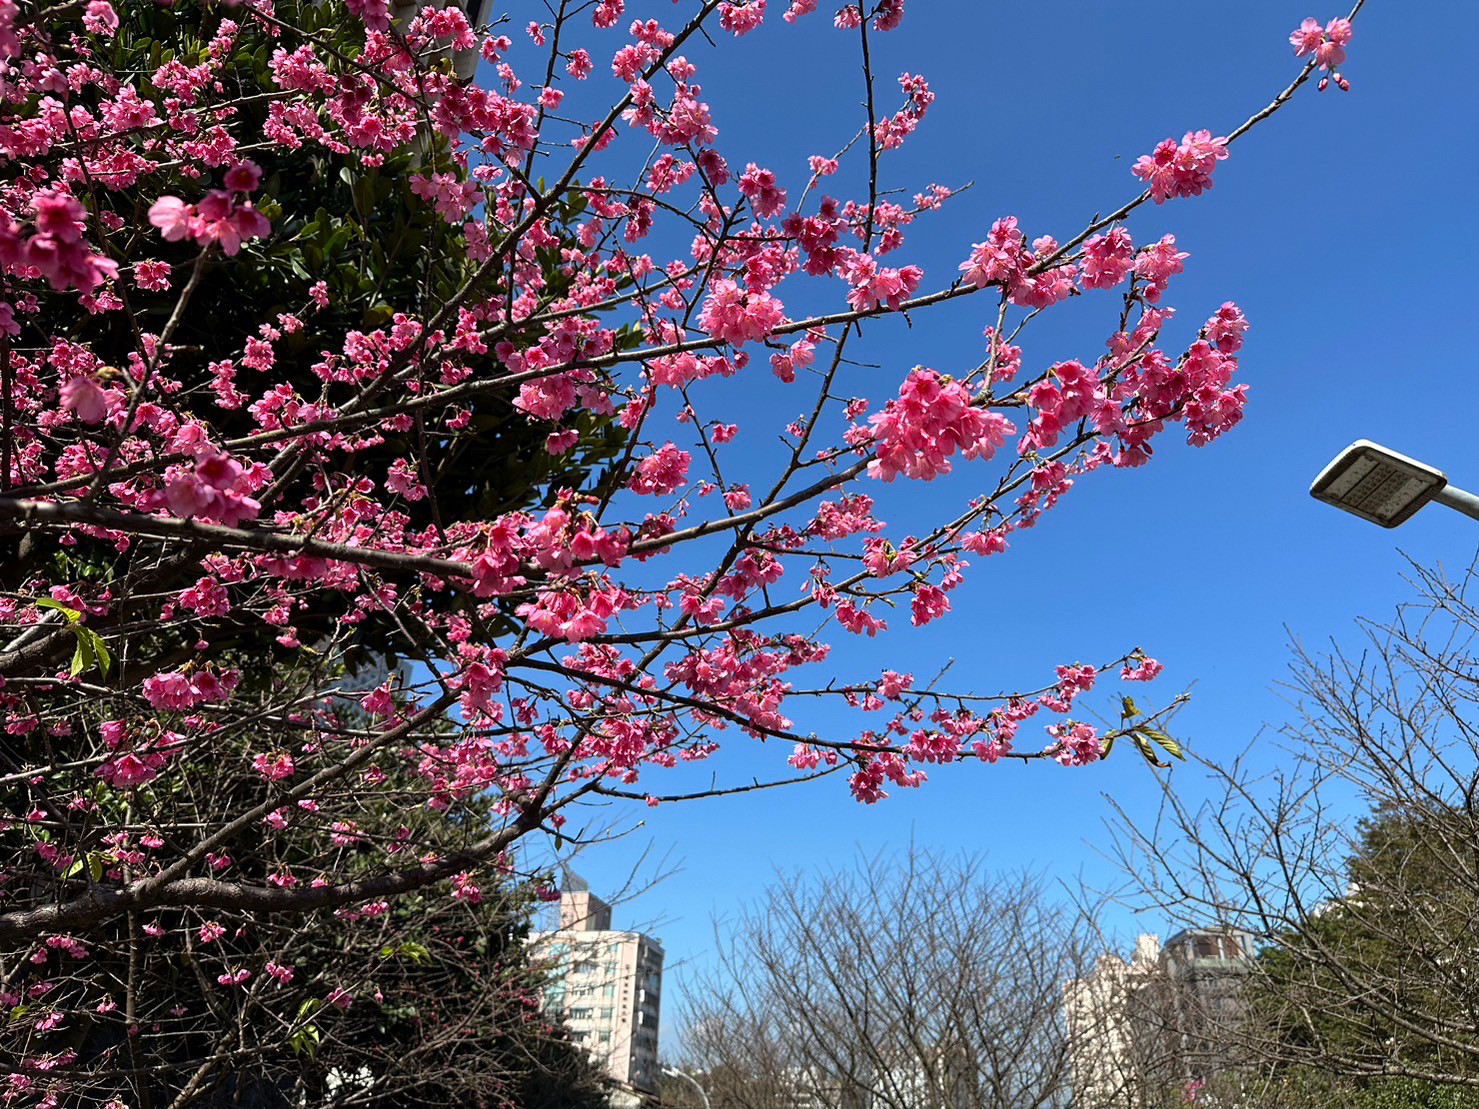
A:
[458,426]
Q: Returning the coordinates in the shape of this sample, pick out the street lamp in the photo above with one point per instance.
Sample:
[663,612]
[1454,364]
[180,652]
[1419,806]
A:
[673,1072]
[1385,487]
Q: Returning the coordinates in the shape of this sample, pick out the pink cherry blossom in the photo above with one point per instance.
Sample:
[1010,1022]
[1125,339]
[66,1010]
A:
[892,685]
[153,276]
[244,177]
[759,186]
[99,18]
[875,286]
[1181,169]
[126,771]
[1075,744]
[1225,330]
[1108,259]
[58,248]
[170,691]
[282,975]
[1000,260]
[932,418]
[663,471]
[174,218]
[740,17]
[465,888]
[1327,43]
[1307,37]
[275,767]
[218,218]
[87,398]
[1157,264]
[1140,668]
[735,316]
[579,65]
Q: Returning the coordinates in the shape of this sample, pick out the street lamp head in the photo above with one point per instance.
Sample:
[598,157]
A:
[1377,484]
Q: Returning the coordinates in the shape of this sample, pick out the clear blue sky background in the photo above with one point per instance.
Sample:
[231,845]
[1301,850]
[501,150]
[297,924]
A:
[1345,227]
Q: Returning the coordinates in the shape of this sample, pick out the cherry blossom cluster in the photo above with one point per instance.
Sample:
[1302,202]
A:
[223,216]
[1327,44]
[1175,169]
[52,245]
[932,418]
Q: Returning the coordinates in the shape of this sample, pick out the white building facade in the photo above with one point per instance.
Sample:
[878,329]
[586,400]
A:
[1100,1033]
[607,987]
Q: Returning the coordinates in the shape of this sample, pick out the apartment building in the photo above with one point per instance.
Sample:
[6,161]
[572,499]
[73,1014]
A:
[1098,1012]
[1193,1019]
[607,985]
[1166,1018]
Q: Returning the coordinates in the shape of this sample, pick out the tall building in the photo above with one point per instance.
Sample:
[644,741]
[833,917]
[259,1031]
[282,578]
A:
[1166,1018]
[607,986]
[1193,1019]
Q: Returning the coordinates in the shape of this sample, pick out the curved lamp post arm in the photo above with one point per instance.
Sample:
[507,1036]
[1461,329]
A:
[673,1072]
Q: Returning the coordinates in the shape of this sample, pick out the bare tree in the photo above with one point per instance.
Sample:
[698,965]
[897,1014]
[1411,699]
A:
[912,982]
[1355,861]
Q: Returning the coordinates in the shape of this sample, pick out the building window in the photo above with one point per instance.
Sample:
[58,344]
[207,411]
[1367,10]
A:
[580,1014]
[608,990]
[606,1014]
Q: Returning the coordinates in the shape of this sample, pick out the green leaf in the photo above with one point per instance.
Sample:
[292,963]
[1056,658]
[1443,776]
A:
[305,1040]
[82,657]
[104,656]
[1128,708]
[1161,740]
[71,614]
[379,315]
[91,651]
[1148,752]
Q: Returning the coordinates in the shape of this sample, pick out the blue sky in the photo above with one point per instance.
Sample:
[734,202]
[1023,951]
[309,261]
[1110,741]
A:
[1343,228]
